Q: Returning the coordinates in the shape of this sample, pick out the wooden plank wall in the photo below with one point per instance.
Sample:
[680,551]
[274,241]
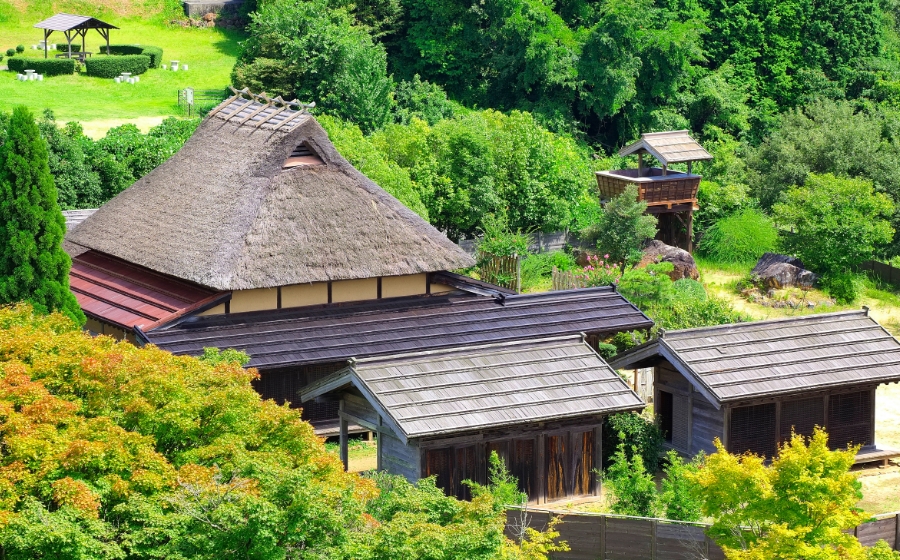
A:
[614,537]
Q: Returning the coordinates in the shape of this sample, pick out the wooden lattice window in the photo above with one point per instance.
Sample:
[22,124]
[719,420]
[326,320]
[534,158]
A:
[753,430]
[850,419]
[680,415]
[801,415]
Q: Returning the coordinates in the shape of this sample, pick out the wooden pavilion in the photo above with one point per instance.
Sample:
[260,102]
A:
[669,194]
[539,404]
[72,27]
[258,235]
[752,384]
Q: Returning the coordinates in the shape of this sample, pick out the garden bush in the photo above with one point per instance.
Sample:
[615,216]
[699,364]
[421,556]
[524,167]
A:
[740,237]
[538,267]
[63,47]
[20,48]
[45,66]
[155,53]
[112,66]
[844,287]
[10,52]
[638,434]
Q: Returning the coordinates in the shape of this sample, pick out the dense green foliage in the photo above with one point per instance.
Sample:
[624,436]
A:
[47,67]
[739,238]
[834,223]
[633,488]
[33,265]
[623,228]
[88,173]
[113,451]
[634,434]
[155,53]
[475,164]
[114,65]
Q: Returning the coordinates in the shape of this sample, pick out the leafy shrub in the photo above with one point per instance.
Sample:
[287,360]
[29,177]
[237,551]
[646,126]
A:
[64,47]
[632,488]
[649,285]
[639,434]
[539,266]
[607,351]
[740,237]
[155,53]
[623,227]
[677,499]
[112,66]
[844,287]
[689,289]
[45,66]
[10,52]
[499,241]
[20,49]
[421,100]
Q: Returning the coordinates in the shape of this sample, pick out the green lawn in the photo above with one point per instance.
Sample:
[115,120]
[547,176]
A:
[210,54]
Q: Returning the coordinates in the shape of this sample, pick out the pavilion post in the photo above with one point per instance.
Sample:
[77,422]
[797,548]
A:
[69,41]
[83,46]
[46,38]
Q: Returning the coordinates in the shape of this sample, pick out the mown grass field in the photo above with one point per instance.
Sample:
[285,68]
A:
[100,103]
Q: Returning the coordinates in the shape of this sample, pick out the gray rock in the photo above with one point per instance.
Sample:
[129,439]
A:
[776,271]
[657,251]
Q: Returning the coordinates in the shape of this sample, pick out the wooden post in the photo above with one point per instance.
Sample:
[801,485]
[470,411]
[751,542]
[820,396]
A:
[541,469]
[345,456]
[777,424]
[690,231]
[897,532]
[46,38]
[640,164]
[378,450]
[83,43]
[872,421]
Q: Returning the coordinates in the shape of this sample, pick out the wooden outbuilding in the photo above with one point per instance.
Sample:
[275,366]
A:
[752,384]
[669,194]
[539,404]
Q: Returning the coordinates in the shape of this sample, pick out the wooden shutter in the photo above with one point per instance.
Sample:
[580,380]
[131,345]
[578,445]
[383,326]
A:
[849,419]
[803,415]
[753,430]
[557,461]
[665,414]
[437,462]
[680,415]
[463,468]
[583,460]
[523,465]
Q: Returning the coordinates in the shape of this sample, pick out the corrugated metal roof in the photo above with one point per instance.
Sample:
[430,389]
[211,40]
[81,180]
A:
[490,386]
[126,295]
[335,333]
[750,360]
[75,217]
[668,147]
[66,22]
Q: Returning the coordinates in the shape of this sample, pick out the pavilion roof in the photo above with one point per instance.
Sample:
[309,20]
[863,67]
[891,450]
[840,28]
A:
[668,147]
[68,22]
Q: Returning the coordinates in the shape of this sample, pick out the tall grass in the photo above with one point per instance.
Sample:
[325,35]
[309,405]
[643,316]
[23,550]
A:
[740,237]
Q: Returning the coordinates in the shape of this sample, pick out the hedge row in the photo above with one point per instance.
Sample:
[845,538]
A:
[45,66]
[112,66]
[155,53]
[64,47]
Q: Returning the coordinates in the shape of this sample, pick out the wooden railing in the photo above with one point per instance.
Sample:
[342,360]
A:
[654,188]
[620,537]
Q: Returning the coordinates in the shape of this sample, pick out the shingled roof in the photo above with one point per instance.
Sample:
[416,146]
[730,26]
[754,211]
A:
[285,338]
[224,212]
[491,386]
[668,147]
[749,360]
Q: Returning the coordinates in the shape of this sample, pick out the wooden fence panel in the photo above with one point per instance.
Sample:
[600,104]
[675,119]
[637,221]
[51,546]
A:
[628,539]
[565,280]
[503,271]
[881,529]
[680,541]
[885,272]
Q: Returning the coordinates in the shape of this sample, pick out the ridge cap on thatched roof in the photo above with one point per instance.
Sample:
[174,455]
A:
[224,212]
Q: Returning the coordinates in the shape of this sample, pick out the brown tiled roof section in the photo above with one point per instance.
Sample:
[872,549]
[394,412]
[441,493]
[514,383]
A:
[126,295]
[286,338]
[668,147]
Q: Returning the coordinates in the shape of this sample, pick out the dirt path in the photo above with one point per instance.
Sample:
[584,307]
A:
[97,129]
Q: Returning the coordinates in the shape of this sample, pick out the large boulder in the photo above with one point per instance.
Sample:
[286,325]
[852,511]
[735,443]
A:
[656,251]
[776,271]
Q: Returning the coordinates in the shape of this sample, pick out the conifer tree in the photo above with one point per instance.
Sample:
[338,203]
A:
[33,265]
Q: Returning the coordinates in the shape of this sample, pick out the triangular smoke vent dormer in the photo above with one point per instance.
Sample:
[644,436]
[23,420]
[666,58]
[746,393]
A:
[302,156]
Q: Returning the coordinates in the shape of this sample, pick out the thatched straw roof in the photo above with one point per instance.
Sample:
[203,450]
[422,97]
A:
[224,213]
